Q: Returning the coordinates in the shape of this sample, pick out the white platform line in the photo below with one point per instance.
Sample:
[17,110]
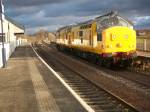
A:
[82,102]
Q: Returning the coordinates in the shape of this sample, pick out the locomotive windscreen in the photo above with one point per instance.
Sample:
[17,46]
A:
[110,21]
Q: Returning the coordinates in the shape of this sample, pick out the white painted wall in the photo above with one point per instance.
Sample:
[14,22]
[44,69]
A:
[10,39]
[8,53]
[22,42]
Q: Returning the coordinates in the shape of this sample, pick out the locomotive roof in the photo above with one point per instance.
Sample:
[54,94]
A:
[86,22]
[78,24]
[112,13]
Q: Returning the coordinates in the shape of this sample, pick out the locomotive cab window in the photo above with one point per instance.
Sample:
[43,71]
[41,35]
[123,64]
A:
[99,36]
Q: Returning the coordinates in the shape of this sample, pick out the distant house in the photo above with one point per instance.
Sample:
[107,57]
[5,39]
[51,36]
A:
[10,29]
[143,33]
[51,37]
[45,36]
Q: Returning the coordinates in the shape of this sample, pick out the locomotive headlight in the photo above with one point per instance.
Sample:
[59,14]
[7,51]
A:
[126,36]
[113,36]
[131,46]
[110,46]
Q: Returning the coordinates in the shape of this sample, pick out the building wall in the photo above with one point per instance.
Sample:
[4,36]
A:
[7,53]
[9,29]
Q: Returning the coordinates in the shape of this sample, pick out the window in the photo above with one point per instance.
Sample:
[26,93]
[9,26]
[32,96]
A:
[80,33]
[122,22]
[2,37]
[99,36]
[109,21]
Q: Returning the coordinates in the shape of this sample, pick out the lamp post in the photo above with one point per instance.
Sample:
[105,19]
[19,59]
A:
[2,36]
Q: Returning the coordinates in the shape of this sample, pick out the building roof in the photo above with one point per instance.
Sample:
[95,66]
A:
[14,22]
[143,33]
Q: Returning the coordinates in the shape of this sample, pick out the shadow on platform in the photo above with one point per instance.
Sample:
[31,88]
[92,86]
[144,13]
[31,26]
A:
[23,52]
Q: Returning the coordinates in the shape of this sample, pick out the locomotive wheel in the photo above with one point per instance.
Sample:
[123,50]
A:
[108,63]
[126,63]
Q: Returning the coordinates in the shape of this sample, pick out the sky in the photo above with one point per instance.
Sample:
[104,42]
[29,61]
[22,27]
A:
[50,15]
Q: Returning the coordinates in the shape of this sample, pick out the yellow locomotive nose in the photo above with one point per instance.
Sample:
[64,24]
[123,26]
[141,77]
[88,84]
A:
[122,39]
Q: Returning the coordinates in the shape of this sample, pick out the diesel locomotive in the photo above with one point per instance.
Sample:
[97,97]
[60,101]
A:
[108,40]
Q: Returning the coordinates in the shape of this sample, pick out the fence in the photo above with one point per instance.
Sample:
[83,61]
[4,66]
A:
[143,43]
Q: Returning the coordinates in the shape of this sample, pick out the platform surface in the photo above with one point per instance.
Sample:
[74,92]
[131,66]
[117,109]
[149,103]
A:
[27,85]
[143,54]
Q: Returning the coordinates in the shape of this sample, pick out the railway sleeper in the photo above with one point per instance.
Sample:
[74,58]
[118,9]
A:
[77,83]
[104,106]
[85,87]
[114,108]
[95,95]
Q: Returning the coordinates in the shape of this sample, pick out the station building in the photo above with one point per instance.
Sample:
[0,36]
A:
[10,31]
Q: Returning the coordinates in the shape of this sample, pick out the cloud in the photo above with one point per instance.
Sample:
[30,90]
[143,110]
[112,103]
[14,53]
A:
[142,22]
[15,12]
[49,14]
[23,3]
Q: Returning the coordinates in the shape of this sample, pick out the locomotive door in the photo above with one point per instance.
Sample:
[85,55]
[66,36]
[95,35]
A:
[90,38]
[69,39]
[72,40]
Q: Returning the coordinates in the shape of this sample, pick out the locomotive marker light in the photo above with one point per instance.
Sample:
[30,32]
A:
[2,35]
[126,36]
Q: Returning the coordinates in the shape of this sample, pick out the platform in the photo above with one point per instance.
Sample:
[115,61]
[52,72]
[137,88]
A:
[27,85]
[143,54]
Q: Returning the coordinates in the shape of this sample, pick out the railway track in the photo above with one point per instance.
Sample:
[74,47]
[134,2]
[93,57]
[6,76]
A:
[133,77]
[98,98]
[141,65]
[140,80]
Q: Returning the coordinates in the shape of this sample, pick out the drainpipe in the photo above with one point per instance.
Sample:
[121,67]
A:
[2,36]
